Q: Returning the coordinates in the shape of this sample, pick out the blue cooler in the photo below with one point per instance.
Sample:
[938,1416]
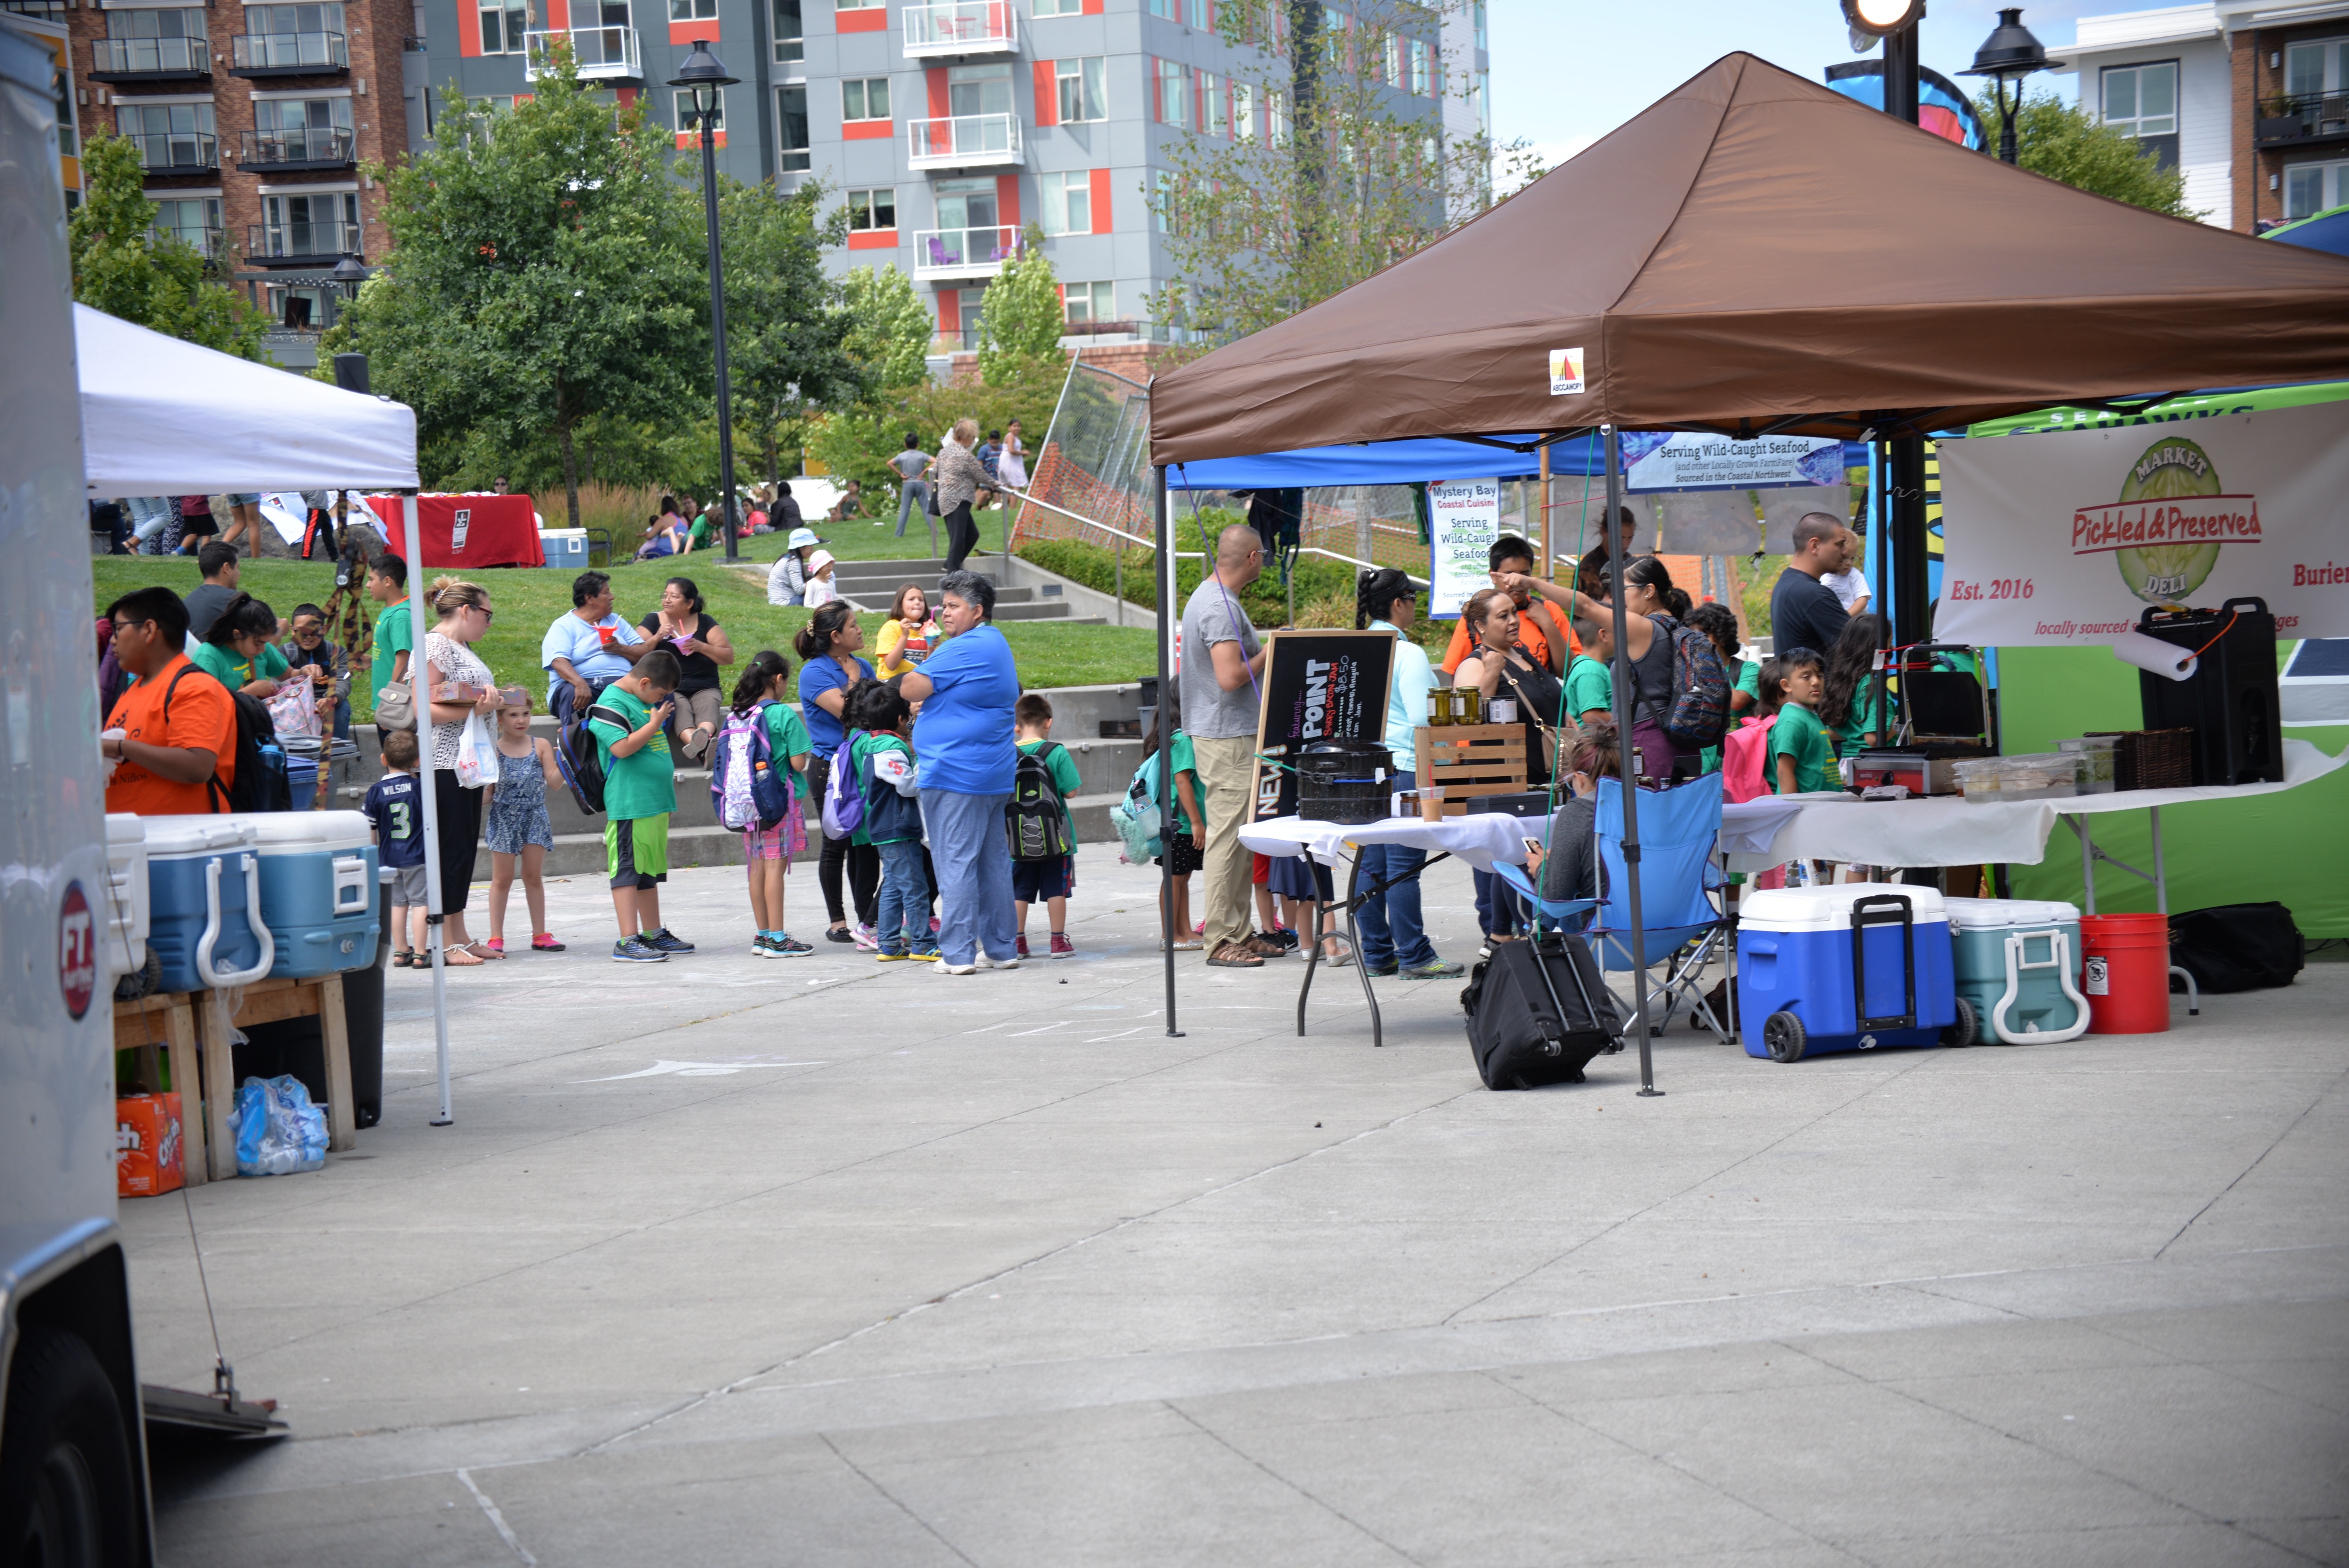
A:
[203,893]
[318,889]
[301,781]
[2018,963]
[1846,968]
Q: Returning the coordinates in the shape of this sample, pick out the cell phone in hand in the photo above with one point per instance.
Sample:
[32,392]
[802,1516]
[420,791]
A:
[1533,846]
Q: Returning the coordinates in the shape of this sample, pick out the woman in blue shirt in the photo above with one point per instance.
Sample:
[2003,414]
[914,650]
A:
[829,666]
[967,690]
[1395,935]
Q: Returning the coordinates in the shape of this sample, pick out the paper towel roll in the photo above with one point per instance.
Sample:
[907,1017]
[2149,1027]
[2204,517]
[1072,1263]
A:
[2164,659]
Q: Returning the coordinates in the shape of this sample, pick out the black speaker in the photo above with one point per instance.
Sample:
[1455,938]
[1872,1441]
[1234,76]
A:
[2230,700]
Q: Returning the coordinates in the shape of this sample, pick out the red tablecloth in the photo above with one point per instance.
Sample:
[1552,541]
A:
[496,530]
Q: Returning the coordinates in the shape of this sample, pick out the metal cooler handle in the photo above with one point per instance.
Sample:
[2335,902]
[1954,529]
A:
[218,979]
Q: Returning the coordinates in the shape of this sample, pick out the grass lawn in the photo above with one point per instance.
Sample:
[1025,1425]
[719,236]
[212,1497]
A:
[527,601]
[859,540]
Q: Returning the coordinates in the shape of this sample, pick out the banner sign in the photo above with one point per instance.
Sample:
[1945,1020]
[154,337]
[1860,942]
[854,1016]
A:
[1679,461]
[2060,540]
[1464,520]
[1318,685]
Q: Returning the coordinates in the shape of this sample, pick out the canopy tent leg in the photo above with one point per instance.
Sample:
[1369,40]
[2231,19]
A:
[1622,684]
[1167,713]
[420,682]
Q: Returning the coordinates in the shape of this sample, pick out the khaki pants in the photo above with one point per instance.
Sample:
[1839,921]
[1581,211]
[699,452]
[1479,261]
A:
[1224,771]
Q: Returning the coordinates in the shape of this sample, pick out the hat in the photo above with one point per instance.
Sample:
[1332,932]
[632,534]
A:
[818,562]
[803,537]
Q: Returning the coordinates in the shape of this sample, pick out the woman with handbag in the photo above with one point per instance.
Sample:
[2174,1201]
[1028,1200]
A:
[1500,668]
[462,737]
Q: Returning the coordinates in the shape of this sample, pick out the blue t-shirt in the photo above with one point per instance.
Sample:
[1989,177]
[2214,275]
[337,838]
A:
[397,813]
[964,733]
[818,677]
[575,639]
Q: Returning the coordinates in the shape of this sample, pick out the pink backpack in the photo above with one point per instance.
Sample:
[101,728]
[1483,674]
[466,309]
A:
[1744,753]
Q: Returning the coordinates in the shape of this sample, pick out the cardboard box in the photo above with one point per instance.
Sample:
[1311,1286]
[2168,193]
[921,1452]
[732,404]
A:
[149,1156]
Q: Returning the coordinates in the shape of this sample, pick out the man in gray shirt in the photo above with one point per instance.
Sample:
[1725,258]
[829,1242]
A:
[1220,686]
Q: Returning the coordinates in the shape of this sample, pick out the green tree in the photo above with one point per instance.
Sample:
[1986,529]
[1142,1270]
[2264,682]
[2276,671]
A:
[123,267]
[1020,321]
[2067,143]
[785,326]
[546,271]
[889,329]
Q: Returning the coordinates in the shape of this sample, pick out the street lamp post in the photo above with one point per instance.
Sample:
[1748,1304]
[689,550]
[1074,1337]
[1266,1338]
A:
[2010,51]
[705,77]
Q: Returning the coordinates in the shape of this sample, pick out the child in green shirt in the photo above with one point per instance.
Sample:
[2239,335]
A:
[882,753]
[765,690]
[1052,879]
[639,793]
[1802,753]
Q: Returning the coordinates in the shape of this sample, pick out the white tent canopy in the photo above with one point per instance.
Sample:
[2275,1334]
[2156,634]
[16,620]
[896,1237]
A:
[161,417]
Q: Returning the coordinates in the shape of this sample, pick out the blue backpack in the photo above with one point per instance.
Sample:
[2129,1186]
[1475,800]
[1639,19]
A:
[843,794]
[746,788]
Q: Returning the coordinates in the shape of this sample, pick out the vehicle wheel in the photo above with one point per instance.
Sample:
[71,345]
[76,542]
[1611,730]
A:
[1782,1035]
[1967,1029]
[67,1497]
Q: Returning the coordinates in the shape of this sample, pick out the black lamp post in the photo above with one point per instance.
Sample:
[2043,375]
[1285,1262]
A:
[2010,52]
[705,77]
[349,273]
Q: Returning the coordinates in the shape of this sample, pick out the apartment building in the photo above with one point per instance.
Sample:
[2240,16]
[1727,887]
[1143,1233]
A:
[942,127]
[2246,97]
[252,120]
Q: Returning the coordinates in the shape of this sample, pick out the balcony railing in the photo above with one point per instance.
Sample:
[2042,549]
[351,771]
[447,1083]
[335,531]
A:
[963,141]
[327,147]
[962,27]
[602,54]
[177,152]
[301,243]
[2308,119]
[964,253]
[47,10]
[287,55]
[149,60]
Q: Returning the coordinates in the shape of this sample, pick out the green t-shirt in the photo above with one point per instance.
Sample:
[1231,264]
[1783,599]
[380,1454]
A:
[1186,762]
[1065,779]
[394,634]
[1589,683]
[236,673]
[1867,713]
[704,529]
[1799,733]
[643,783]
[787,735]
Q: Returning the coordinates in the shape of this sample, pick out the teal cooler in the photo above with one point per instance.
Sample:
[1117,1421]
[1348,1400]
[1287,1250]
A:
[1846,968]
[2018,963]
[318,889]
[203,893]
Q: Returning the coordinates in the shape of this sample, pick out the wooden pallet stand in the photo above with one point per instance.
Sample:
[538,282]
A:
[196,1027]
[1466,760]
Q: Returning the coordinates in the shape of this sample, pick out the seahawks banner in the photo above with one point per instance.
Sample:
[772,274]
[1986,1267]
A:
[2063,539]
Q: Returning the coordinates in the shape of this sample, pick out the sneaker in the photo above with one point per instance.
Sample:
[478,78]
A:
[931,956]
[1441,969]
[1061,946]
[985,962]
[665,941]
[864,936]
[496,944]
[630,950]
[1381,970]
[787,946]
[545,942]
[946,968]
[886,956]
[839,934]
[1019,946]
[1285,936]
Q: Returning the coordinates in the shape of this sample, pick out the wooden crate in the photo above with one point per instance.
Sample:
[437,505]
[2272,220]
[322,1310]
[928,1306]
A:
[1464,760]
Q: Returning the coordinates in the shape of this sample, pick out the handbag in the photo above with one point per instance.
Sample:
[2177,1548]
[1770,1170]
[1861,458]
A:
[395,707]
[477,755]
[293,711]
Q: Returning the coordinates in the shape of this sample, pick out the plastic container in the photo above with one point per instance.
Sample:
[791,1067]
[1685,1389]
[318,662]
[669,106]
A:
[1981,778]
[2040,775]
[2017,962]
[203,894]
[318,889]
[2124,972]
[1347,782]
[2099,757]
[301,781]
[1846,968]
[127,913]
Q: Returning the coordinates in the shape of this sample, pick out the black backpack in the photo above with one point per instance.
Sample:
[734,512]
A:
[578,759]
[1038,827]
[259,784]
[2238,947]
[1700,710]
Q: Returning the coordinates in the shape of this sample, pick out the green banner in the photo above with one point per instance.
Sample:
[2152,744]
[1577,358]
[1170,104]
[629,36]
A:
[2198,405]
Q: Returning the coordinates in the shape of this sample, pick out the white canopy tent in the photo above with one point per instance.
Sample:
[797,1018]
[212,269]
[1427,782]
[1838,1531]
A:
[163,417]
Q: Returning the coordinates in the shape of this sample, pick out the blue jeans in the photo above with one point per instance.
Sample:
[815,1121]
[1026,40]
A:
[1496,906]
[914,497]
[1392,931]
[149,515]
[903,924]
[974,862]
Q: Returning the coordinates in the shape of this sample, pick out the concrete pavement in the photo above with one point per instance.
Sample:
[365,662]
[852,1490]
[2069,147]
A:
[823,1261]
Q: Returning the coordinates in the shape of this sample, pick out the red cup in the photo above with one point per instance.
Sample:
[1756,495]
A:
[608,633]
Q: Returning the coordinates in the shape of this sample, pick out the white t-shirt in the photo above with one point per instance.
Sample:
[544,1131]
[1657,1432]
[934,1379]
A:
[820,591]
[1850,586]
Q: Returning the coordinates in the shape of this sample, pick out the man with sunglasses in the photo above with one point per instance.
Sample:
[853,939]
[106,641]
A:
[172,735]
[1221,682]
[588,647]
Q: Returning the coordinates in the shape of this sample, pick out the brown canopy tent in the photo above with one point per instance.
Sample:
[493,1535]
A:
[1755,254]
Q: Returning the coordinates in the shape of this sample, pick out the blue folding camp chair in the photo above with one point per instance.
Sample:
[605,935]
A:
[1678,830]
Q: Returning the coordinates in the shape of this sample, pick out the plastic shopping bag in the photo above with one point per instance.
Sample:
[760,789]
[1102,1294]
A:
[477,755]
[278,1130]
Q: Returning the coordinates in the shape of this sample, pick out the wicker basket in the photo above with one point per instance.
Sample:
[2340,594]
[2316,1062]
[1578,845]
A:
[2152,758]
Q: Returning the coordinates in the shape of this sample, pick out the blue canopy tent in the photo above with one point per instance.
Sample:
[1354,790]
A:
[2325,230]
[1410,463]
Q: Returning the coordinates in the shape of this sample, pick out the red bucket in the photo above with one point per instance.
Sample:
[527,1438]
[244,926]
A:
[2126,973]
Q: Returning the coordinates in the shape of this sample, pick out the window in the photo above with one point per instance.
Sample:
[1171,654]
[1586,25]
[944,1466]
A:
[496,103]
[2316,67]
[966,204]
[153,41]
[1423,68]
[865,98]
[2142,100]
[169,136]
[688,118]
[791,129]
[2311,188]
[1174,79]
[1214,110]
[1059,8]
[289,118]
[1162,203]
[857,5]
[1276,117]
[1069,203]
[502,26]
[296,308]
[1476,12]
[791,31]
[692,10]
[1089,302]
[979,89]
[320,225]
[193,220]
[1083,88]
[307,18]
[871,209]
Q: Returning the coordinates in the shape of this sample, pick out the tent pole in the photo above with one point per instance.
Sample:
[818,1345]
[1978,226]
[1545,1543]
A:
[1622,677]
[1548,555]
[420,684]
[1167,601]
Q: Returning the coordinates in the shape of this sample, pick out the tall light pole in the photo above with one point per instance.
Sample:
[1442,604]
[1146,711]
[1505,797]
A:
[2010,53]
[705,77]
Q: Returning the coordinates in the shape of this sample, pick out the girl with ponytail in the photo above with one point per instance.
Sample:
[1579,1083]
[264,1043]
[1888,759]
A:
[830,668]
[760,696]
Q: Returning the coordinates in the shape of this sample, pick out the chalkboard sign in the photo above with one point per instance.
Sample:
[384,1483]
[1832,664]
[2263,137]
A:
[1318,685]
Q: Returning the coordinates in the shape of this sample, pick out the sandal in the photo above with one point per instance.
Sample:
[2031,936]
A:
[484,950]
[457,958]
[402,958]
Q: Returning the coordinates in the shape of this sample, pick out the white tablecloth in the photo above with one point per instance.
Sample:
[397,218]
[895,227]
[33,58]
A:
[1479,837]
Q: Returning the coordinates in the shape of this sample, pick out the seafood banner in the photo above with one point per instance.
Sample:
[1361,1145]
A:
[2064,538]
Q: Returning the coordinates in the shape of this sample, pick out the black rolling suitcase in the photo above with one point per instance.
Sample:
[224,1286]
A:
[1537,1018]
